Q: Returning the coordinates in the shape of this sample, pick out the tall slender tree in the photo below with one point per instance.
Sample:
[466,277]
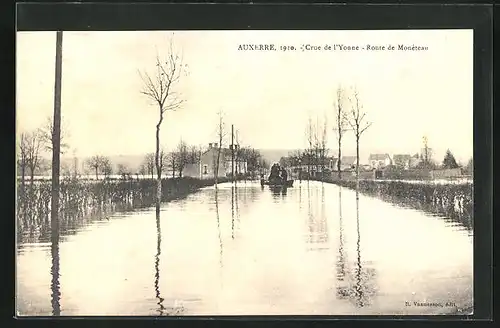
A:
[356,119]
[221,133]
[341,125]
[161,88]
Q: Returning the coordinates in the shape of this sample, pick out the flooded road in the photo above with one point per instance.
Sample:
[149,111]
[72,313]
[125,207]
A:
[314,250]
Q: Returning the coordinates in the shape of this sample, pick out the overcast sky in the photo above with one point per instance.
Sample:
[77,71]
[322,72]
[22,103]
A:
[268,96]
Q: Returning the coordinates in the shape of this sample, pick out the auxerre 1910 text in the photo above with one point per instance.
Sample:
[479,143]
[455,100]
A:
[331,47]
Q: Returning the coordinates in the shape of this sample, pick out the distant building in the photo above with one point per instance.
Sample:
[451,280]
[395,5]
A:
[315,166]
[402,160]
[378,161]
[205,169]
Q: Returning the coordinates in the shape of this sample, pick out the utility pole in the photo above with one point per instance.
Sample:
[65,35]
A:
[56,163]
[237,169]
[56,138]
[232,151]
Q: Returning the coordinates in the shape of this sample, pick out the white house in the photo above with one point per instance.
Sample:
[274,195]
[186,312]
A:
[378,161]
[205,169]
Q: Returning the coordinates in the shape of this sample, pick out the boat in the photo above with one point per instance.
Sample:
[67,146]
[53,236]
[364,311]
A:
[276,178]
[280,184]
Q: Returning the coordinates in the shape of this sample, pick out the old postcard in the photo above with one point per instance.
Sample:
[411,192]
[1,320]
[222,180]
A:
[185,173]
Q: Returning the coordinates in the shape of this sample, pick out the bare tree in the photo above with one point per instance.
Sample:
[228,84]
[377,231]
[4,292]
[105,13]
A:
[149,164]
[142,170]
[47,133]
[182,156]
[194,154]
[75,164]
[426,154]
[221,133]
[171,160]
[356,119]
[237,154]
[95,162]
[317,146]
[341,124]
[161,89]
[22,156]
[323,150]
[122,169]
[107,169]
[33,148]
[310,142]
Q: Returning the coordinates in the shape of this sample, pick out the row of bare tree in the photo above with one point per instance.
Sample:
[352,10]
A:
[315,157]
[349,116]
[172,162]
[31,146]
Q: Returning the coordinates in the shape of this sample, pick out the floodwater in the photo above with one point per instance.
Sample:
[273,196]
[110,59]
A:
[314,250]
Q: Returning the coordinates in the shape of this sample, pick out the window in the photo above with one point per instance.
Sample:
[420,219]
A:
[205,167]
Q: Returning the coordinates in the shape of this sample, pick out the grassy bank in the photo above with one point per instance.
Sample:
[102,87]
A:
[454,201]
[82,201]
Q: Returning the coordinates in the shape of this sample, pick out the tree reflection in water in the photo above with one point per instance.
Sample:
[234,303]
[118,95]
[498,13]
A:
[218,224]
[237,203]
[54,271]
[300,197]
[341,263]
[233,189]
[161,307]
[358,284]
[317,221]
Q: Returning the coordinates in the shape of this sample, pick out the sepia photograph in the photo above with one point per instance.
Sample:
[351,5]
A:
[244,172]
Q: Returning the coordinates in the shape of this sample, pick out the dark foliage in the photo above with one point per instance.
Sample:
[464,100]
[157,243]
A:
[83,201]
[453,201]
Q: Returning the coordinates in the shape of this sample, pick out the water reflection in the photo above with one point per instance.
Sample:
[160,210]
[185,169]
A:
[54,271]
[359,288]
[365,287]
[233,190]
[282,275]
[236,206]
[356,284]
[216,195]
[161,307]
[323,222]
[300,197]
[317,221]
[341,260]
[276,191]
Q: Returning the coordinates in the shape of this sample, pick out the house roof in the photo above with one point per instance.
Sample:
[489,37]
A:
[378,157]
[225,153]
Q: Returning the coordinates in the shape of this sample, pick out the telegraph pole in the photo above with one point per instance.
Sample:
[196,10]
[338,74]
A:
[56,156]
[232,152]
[237,166]
[56,139]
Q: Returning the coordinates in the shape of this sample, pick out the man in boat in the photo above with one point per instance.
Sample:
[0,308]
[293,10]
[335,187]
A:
[284,175]
[274,177]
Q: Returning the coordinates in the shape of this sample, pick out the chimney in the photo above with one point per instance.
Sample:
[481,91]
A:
[210,145]
[216,145]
